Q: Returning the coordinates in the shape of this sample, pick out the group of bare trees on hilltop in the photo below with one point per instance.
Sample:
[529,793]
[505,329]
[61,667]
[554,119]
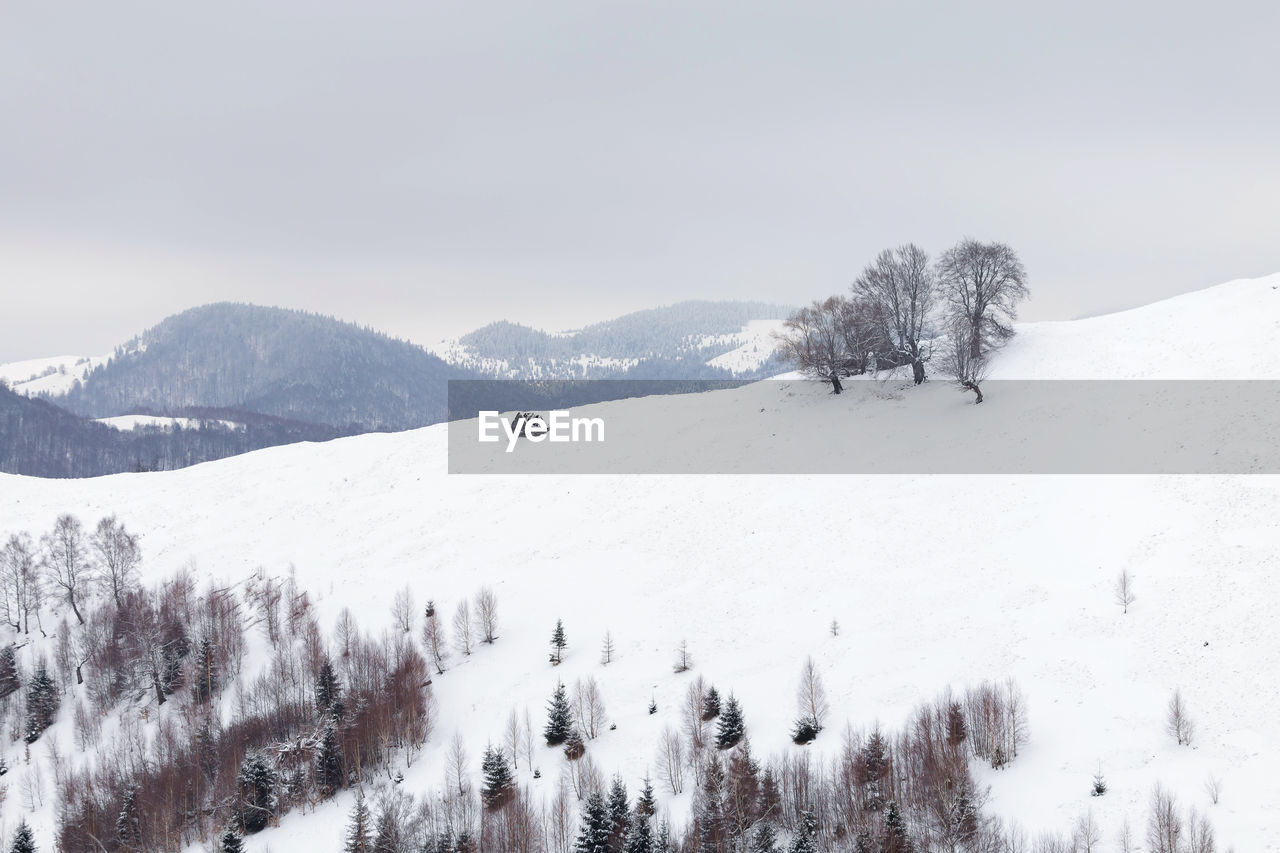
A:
[906,310]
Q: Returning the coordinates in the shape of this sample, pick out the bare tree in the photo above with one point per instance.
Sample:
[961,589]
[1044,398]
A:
[462,627]
[1177,723]
[402,609]
[118,554]
[487,608]
[1125,838]
[456,761]
[607,649]
[1213,787]
[1124,590]
[1164,823]
[588,707]
[684,661]
[433,638]
[983,284]
[21,579]
[812,340]
[1087,834]
[811,695]
[900,285]
[66,557]
[512,737]
[670,760]
[959,361]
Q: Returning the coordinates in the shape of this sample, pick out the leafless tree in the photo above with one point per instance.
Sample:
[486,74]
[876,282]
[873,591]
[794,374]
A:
[684,661]
[527,738]
[1200,836]
[983,284]
[487,608]
[1124,590]
[1087,834]
[402,609]
[588,707]
[462,639]
[1213,787]
[1177,722]
[21,578]
[811,695]
[118,555]
[812,340]
[512,737]
[67,560]
[959,361]
[607,649]
[1164,823]
[670,760]
[900,285]
[1125,838]
[433,638]
[457,760]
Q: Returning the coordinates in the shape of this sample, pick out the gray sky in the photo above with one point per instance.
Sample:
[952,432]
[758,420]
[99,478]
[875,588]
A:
[426,167]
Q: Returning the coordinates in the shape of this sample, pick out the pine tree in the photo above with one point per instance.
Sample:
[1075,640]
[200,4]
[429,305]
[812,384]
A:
[731,728]
[647,803]
[328,690]
[895,831]
[42,704]
[593,837]
[498,779]
[559,722]
[9,681]
[765,839]
[574,746]
[329,763]
[206,676]
[128,834]
[711,704]
[558,643]
[360,829]
[619,809]
[256,788]
[806,840]
[1099,784]
[22,840]
[710,808]
[963,817]
[230,841]
[639,835]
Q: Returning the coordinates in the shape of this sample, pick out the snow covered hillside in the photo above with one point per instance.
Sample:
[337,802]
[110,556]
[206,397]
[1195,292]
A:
[935,582]
[52,376]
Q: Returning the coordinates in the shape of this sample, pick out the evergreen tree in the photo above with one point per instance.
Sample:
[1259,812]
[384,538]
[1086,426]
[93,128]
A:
[9,681]
[964,815]
[875,762]
[639,837]
[765,839]
[711,704]
[662,843]
[593,837]
[895,831]
[360,829]
[731,728]
[498,779]
[128,834]
[22,840]
[558,643]
[710,809]
[559,722]
[619,809]
[42,704]
[770,796]
[957,731]
[574,746]
[205,683]
[328,690]
[231,842]
[329,763]
[647,803]
[1099,784]
[806,840]
[256,789]
[389,838]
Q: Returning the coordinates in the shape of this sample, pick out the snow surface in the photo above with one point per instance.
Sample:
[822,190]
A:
[53,376]
[935,581]
[755,345]
[129,422]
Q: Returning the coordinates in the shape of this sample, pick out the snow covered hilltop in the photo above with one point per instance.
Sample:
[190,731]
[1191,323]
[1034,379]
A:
[895,587]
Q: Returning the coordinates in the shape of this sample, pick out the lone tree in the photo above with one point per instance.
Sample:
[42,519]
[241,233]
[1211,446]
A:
[118,555]
[731,728]
[1124,590]
[23,842]
[832,339]
[811,696]
[558,643]
[1177,722]
[899,285]
[983,284]
[498,779]
[969,370]
[360,829]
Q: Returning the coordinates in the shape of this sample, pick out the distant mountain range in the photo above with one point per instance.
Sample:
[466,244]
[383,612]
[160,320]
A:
[225,378]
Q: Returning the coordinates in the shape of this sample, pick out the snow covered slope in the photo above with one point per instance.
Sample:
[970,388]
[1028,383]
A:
[52,376]
[936,581]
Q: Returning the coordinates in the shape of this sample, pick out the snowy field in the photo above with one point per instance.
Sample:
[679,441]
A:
[935,581]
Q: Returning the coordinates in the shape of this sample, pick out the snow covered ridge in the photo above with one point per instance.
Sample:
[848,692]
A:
[52,376]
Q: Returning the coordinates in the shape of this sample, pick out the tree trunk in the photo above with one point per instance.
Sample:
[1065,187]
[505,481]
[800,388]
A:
[836,387]
[71,599]
[917,370]
[973,386]
[155,680]
[975,339]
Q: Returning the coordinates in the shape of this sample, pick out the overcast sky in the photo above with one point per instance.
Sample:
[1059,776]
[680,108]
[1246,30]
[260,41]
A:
[426,167]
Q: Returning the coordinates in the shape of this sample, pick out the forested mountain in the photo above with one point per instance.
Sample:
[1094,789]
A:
[689,340]
[39,439]
[289,364]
